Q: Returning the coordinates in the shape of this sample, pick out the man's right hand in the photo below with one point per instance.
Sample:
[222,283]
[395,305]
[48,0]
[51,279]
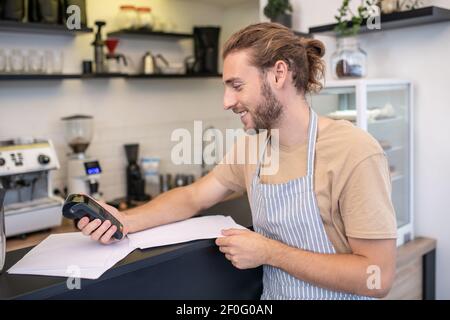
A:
[103,232]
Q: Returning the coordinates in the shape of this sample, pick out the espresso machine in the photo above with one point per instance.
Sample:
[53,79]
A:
[25,174]
[83,171]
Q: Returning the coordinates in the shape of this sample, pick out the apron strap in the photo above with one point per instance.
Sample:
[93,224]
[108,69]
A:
[261,155]
[312,136]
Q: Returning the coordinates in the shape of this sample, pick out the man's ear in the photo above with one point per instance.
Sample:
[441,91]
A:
[280,74]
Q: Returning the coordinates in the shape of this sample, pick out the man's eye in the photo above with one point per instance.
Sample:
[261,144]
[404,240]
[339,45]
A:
[237,87]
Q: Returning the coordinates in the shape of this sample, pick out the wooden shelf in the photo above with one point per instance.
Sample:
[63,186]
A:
[20,77]
[396,20]
[146,34]
[39,28]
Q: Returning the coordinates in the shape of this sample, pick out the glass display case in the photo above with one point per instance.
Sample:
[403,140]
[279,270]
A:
[383,108]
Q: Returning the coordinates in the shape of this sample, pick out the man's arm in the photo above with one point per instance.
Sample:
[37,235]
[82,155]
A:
[353,273]
[175,205]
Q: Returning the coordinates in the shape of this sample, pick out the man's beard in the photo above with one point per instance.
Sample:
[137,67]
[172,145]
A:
[269,111]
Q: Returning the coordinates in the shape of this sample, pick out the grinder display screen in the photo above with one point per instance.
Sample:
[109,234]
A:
[92,167]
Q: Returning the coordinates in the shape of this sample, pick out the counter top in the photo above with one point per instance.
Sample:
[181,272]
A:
[192,270]
[163,264]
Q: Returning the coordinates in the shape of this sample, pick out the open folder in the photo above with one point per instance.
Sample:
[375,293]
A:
[76,255]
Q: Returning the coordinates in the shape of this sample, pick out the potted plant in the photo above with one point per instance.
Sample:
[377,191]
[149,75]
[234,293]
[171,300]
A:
[350,61]
[279,11]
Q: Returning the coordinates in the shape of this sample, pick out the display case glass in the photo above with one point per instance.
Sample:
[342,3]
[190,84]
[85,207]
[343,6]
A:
[382,108]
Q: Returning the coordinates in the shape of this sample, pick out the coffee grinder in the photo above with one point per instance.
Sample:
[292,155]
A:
[135,180]
[83,171]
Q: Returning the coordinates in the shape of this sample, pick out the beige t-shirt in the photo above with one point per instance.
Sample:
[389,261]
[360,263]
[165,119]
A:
[351,181]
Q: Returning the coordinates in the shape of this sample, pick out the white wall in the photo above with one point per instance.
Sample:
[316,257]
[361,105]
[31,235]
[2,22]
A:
[422,55]
[147,110]
[143,111]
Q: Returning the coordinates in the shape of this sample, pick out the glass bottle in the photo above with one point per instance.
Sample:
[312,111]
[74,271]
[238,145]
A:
[349,60]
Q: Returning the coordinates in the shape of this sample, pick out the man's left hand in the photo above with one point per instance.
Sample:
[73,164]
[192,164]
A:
[244,248]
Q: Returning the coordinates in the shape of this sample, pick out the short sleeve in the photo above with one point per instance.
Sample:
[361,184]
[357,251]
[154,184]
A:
[229,173]
[365,202]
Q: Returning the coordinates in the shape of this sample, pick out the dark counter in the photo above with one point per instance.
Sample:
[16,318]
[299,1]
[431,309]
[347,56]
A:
[194,270]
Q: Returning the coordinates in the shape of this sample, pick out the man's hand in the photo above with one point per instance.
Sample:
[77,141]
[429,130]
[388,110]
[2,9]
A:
[103,232]
[244,248]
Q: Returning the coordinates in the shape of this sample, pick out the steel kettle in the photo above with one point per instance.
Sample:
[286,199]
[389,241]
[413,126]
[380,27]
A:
[150,63]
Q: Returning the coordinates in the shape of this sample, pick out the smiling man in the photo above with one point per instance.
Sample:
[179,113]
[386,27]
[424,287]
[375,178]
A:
[324,222]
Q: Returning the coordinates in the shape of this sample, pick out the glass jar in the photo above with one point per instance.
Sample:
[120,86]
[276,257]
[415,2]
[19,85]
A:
[3,61]
[389,6]
[36,62]
[145,18]
[54,62]
[16,61]
[349,60]
[127,17]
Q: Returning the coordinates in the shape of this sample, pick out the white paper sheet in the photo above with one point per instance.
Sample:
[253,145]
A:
[76,255]
[207,227]
[65,254]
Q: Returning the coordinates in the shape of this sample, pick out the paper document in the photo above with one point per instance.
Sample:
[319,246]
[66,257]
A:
[78,256]
[71,255]
[183,231]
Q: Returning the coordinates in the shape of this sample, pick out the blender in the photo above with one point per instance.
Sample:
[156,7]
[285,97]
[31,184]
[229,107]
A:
[83,171]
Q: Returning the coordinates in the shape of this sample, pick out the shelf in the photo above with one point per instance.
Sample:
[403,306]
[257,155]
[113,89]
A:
[393,149]
[302,34]
[173,76]
[4,77]
[396,20]
[39,28]
[397,177]
[384,121]
[145,34]
[14,77]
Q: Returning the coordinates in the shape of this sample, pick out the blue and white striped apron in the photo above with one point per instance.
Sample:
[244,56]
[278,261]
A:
[288,212]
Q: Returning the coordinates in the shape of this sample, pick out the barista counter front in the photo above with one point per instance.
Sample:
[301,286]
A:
[194,270]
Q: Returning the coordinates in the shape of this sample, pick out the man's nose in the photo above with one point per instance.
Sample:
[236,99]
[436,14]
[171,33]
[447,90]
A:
[229,100]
